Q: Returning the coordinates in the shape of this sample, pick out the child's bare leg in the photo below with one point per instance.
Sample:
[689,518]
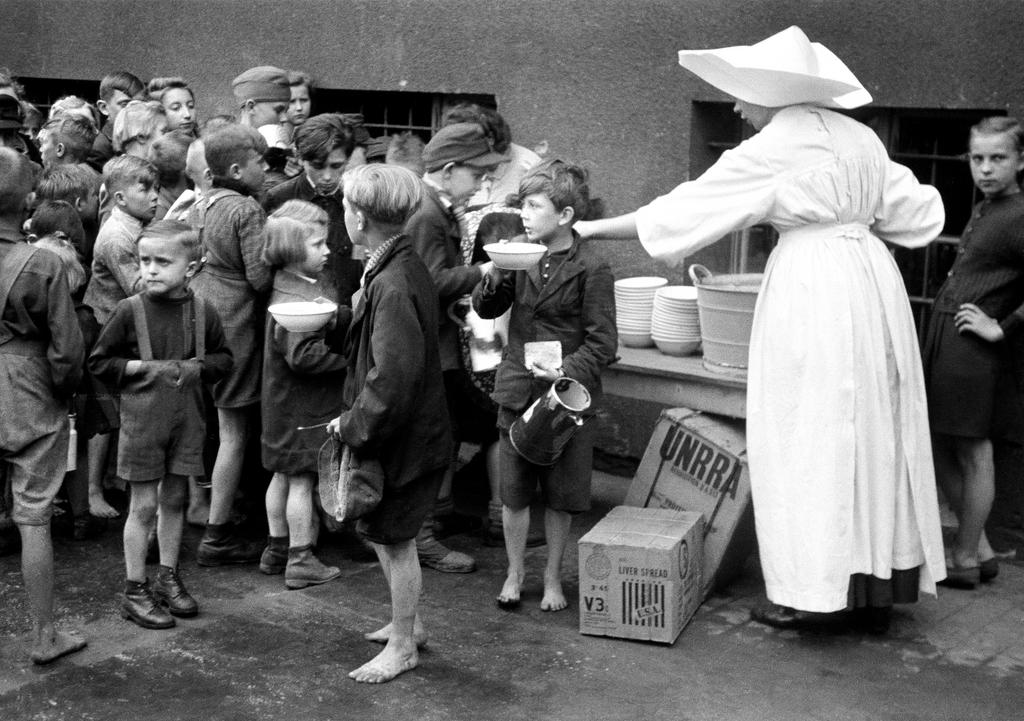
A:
[141,514]
[227,469]
[400,653]
[48,644]
[381,635]
[276,500]
[300,509]
[198,513]
[978,493]
[516,525]
[170,519]
[99,447]
[556,528]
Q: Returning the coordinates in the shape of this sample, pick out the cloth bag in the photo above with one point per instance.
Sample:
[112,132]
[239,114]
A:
[350,486]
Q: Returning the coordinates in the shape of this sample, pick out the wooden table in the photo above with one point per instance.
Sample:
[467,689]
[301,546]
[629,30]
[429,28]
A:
[649,375]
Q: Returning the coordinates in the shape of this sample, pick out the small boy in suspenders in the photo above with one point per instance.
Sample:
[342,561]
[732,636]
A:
[160,347]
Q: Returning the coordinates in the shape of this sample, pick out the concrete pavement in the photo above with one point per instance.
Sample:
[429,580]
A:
[260,652]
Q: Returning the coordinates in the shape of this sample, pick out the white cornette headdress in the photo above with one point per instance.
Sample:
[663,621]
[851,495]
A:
[784,69]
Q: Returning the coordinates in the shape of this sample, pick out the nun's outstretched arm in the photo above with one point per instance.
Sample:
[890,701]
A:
[622,227]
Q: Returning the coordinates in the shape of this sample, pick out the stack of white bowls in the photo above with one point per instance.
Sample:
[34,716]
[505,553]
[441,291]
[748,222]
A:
[634,303]
[675,325]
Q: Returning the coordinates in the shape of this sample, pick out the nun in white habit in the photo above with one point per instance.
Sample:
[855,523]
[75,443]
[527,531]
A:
[837,427]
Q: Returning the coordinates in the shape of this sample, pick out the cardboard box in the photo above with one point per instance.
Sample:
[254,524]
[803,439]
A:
[640,573]
[698,462]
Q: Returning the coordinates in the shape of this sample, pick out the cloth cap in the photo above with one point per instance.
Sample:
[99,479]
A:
[357,123]
[264,84]
[377,148]
[464,143]
[11,116]
[784,69]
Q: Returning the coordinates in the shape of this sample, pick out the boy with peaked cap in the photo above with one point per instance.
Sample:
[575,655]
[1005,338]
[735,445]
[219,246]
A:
[456,161]
[262,95]
[41,354]
[12,117]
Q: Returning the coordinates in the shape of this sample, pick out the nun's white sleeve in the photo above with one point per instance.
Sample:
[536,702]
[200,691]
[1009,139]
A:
[735,193]
[910,214]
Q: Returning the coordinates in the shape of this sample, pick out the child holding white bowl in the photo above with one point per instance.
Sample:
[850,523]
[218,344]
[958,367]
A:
[566,297]
[303,373]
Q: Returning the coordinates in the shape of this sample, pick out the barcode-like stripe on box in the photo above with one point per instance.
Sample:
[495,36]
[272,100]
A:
[643,604]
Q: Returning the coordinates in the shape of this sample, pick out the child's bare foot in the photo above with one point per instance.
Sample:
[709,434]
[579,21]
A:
[99,507]
[58,644]
[396,658]
[383,635]
[554,599]
[510,592]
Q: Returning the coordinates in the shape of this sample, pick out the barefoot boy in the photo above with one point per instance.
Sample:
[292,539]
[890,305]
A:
[40,365]
[567,297]
[395,395]
[160,347]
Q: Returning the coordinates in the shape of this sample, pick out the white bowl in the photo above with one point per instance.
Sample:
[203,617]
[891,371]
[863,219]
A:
[678,293]
[514,255]
[677,348]
[635,340]
[640,283]
[303,316]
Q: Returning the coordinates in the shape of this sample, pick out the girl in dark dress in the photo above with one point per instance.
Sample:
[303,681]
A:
[302,384]
[971,371]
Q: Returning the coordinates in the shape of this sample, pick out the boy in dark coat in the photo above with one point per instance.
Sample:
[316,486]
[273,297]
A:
[394,393]
[567,297]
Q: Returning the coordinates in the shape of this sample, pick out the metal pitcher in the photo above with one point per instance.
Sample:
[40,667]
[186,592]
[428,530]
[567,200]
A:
[544,429]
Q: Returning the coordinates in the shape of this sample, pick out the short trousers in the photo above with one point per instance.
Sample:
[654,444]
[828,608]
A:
[33,438]
[402,510]
[162,432]
[565,486]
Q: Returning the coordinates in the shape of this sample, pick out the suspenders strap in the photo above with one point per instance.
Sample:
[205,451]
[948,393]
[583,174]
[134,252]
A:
[16,261]
[141,328]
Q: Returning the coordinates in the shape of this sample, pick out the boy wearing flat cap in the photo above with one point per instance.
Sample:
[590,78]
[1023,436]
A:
[456,160]
[262,94]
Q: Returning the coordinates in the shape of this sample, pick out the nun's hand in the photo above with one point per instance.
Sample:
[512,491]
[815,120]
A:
[971,319]
[585,228]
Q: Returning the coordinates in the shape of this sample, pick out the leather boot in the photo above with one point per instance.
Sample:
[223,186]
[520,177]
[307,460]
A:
[139,606]
[275,555]
[170,591]
[220,547]
[305,569]
[434,554]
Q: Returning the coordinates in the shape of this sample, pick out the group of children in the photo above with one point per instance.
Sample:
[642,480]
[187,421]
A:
[171,289]
[181,262]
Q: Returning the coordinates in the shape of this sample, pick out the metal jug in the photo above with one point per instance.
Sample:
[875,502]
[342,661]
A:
[544,429]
